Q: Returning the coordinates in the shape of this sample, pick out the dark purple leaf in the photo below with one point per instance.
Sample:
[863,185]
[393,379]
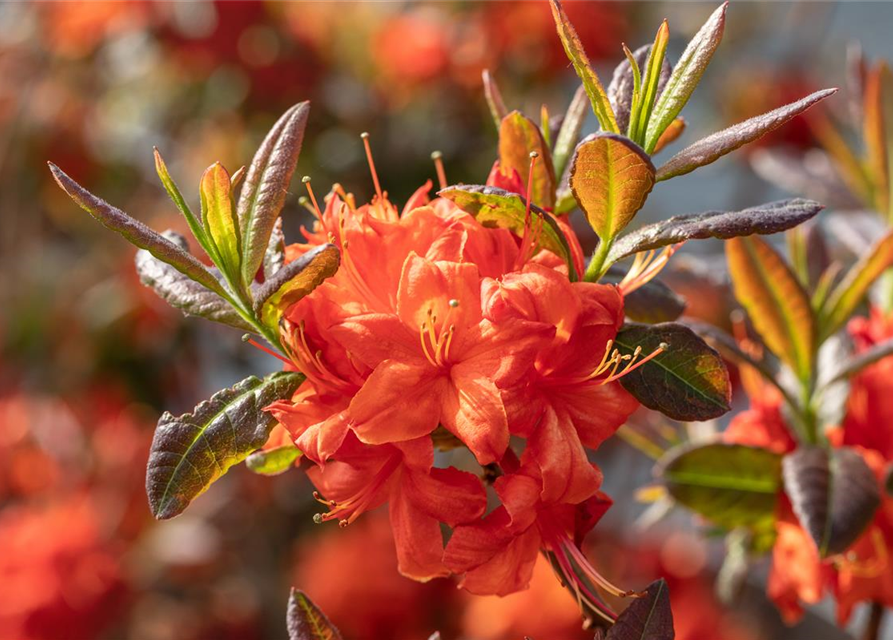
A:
[306,622]
[812,175]
[651,303]
[494,98]
[274,258]
[646,618]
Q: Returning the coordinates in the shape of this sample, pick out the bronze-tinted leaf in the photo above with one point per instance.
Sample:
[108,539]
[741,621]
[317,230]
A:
[306,621]
[294,281]
[813,176]
[494,98]
[266,185]
[689,381]
[610,177]
[272,462]
[518,137]
[646,618]
[136,233]
[219,219]
[670,135]
[763,219]
[620,91]
[274,258]
[716,145]
[191,451]
[174,192]
[569,133]
[834,495]
[651,303]
[878,132]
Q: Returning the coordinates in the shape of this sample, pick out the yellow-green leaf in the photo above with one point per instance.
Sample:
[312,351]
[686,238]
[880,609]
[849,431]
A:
[878,133]
[219,218]
[518,137]
[610,178]
[650,82]
[775,301]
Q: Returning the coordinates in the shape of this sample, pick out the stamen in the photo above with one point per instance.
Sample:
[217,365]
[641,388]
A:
[365,137]
[437,156]
[643,271]
[306,181]
[449,341]
[346,198]
[349,510]
[247,338]
[632,367]
[525,237]
[422,335]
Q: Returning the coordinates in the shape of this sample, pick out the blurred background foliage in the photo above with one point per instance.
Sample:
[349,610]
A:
[90,358]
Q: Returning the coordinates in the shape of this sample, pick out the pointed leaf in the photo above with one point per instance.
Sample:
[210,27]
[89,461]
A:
[763,219]
[689,381]
[184,293]
[518,137]
[495,207]
[775,301]
[272,462]
[610,177]
[569,134]
[494,98]
[865,359]
[191,451]
[601,106]
[834,494]
[219,218]
[266,185]
[646,618]
[651,303]
[686,76]
[274,258]
[174,192]
[714,146]
[651,78]
[730,485]
[878,132]
[670,135]
[306,621]
[136,233]
[294,281]
[620,91]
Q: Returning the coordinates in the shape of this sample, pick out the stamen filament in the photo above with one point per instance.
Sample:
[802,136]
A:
[437,157]
[258,345]
[306,181]
[365,137]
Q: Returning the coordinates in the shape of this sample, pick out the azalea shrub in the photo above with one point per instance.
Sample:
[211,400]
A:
[457,357]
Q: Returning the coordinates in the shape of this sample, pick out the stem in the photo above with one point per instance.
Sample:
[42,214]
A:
[875,620]
[596,268]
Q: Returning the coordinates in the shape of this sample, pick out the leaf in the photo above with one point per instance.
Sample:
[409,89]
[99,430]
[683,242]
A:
[670,135]
[763,219]
[730,485]
[716,145]
[878,132]
[689,381]
[219,218]
[495,207]
[518,137]
[266,185]
[620,90]
[601,106]
[610,177]
[834,495]
[274,258]
[294,281]
[651,303]
[191,451]
[182,292]
[775,301]
[651,83]
[646,618]
[865,359]
[569,134]
[136,233]
[494,98]
[174,192]
[813,175]
[686,76]
[272,462]
[306,621]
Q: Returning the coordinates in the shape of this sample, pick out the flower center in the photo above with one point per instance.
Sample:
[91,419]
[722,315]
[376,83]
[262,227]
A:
[611,361]
[350,509]
[310,362]
[436,343]
[645,267]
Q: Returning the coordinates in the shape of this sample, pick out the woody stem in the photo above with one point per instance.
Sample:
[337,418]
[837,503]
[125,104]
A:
[875,620]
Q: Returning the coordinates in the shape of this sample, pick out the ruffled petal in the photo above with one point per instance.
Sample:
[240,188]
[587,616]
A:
[596,410]
[447,495]
[472,410]
[508,571]
[418,539]
[427,287]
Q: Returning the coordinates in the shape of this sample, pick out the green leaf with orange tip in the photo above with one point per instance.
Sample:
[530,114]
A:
[272,462]
[569,134]
[670,134]
[138,234]
[601,106]
[878,132]
[174,192]
[494,98]
[714,146]
[495,207]
[518,138]
[685,77]
[219,218]
[650,84]
[305,621]
[610,177]
[266,185]
[776,302]
[295,280]
[849,292]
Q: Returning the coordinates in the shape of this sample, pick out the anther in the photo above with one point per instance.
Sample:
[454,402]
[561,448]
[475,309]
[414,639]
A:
[317,518]
[306,181]
[454,303]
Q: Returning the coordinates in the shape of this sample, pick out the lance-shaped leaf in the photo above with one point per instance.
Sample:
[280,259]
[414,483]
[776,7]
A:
[601,106]
[620,90]
[266,185]
[651,303]
[174,192]
[686,76]
[865,359]
[651,77]
[730,485]
[494,98]
[647,618]
[136,233]
[518,137]
[274,258]
[850,291]
[272,462]
[191,451]
[219,218]
[294,281]
[715,146]
[834,495]
[306,621]
[688,381]
[495,207]
[670,134]
[775,301]
[878,132]
[569,134]
[762,220]
[182,292]
[610,177]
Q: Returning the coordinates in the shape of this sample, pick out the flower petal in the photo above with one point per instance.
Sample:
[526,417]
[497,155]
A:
[427,287]
[508,571]
[472,409]
[448,495]
[596,410]
[418,539]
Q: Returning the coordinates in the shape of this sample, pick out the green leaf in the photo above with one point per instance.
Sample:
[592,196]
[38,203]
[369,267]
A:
[651,303]
[494,207]
[294,281]
[610,177]
[494,98]
[266,185]
[775,300]
[714,146]
[686,76]
[622,88]
[689,381]
[834,494]
[174,192]
[651,83]
[220,220]
[272,462]
[763,219]
[518,137]
[136,233]
[730,485]
[569,134]
[191,451]
[601,106]
[647,618]
[184,293]
[306,621]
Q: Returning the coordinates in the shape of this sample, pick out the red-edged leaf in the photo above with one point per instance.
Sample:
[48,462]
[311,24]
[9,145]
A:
[306,622]
[518,137]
